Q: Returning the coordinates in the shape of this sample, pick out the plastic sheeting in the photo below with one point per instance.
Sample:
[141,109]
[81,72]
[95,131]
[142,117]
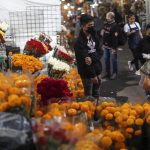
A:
[15,131]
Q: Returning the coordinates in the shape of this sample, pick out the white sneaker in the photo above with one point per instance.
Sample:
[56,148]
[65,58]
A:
[120,49]
[138,73]
[130,66]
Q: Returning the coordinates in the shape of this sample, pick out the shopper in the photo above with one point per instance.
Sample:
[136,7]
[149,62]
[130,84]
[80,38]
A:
[110,45]
[144,56]
[88,53]
[133,31]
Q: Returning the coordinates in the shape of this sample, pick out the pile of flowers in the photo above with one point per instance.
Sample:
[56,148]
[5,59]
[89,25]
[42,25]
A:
[57,68]
[15,93]
[75,83]
[62,54]
[26,63]
[52,90]
[120,126]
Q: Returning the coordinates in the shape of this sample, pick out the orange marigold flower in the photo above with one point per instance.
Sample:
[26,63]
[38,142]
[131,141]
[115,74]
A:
[106,141]
[139,122]
[148,119]
[72,112]
[46,117]
[14,90]
[130,122]
[138,132]
[2,95]
[25,100]
[38,113]
[109,116]
[129,130]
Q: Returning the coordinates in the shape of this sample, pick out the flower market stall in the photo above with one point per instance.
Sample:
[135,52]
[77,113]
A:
[47,110]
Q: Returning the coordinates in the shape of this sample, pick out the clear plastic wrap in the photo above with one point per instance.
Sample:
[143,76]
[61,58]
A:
[15,132]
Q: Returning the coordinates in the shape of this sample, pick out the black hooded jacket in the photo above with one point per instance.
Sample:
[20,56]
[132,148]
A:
[82,51]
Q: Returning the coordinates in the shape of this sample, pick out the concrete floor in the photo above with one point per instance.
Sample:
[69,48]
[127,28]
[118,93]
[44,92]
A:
[125,87]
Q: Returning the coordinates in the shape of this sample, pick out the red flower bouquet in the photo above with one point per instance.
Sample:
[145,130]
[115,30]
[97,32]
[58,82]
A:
[37,48]
[51,89]
[62,54]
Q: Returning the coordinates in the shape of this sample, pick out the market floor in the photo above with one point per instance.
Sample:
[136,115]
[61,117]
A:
[125,87]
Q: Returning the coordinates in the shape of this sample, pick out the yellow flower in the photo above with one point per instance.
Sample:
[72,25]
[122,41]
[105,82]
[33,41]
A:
[109,116]
[106,141]
[139,122]
[86,145]
[118,136]
[14,90]
[130,122]
[104,112]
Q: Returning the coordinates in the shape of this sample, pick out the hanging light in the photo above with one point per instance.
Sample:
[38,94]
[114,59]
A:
[65,7]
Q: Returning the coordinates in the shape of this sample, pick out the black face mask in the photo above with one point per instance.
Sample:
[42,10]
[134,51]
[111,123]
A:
[90,30]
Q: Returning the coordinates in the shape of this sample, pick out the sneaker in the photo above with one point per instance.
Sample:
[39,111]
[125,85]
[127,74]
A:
[114,76]
[120,49]
[138,73]
[130,66]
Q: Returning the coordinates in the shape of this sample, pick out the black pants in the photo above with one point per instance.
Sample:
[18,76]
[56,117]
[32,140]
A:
[136,59]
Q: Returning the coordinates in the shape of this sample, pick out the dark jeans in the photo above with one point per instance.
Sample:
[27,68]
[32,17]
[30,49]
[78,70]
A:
[107,55]
[91,89]
[136,59]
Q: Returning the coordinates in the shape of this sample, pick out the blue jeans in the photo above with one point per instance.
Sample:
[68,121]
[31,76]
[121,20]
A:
[113,56]
[91,89]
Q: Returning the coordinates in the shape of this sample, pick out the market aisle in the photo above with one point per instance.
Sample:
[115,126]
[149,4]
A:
[126,87]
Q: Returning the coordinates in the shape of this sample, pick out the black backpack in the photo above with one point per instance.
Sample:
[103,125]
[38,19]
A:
[122,37]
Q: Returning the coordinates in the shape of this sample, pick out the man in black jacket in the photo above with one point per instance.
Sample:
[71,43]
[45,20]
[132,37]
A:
[88,53]
[110,44]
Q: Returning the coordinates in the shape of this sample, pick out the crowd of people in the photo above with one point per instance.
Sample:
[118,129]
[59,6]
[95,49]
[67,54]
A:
[94,41]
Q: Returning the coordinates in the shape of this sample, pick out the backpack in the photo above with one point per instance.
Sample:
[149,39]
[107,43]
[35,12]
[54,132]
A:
[122,37]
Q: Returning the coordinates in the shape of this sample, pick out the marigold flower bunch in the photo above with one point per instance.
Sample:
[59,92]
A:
[26,63]
[14,91]
[75,83]
[128,118]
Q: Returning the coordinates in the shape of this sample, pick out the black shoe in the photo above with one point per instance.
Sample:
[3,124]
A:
[107,76]
[114,76]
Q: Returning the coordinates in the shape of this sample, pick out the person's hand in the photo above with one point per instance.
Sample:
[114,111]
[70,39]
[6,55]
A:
[113,51]
[95,80]
[133,31]
[88,60]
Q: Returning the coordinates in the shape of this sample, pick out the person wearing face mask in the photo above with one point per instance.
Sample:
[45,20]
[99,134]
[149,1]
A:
[110,45]
[88,53]
[133,31]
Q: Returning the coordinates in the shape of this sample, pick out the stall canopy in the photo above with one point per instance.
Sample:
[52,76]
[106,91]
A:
[30,17]
[7,6]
